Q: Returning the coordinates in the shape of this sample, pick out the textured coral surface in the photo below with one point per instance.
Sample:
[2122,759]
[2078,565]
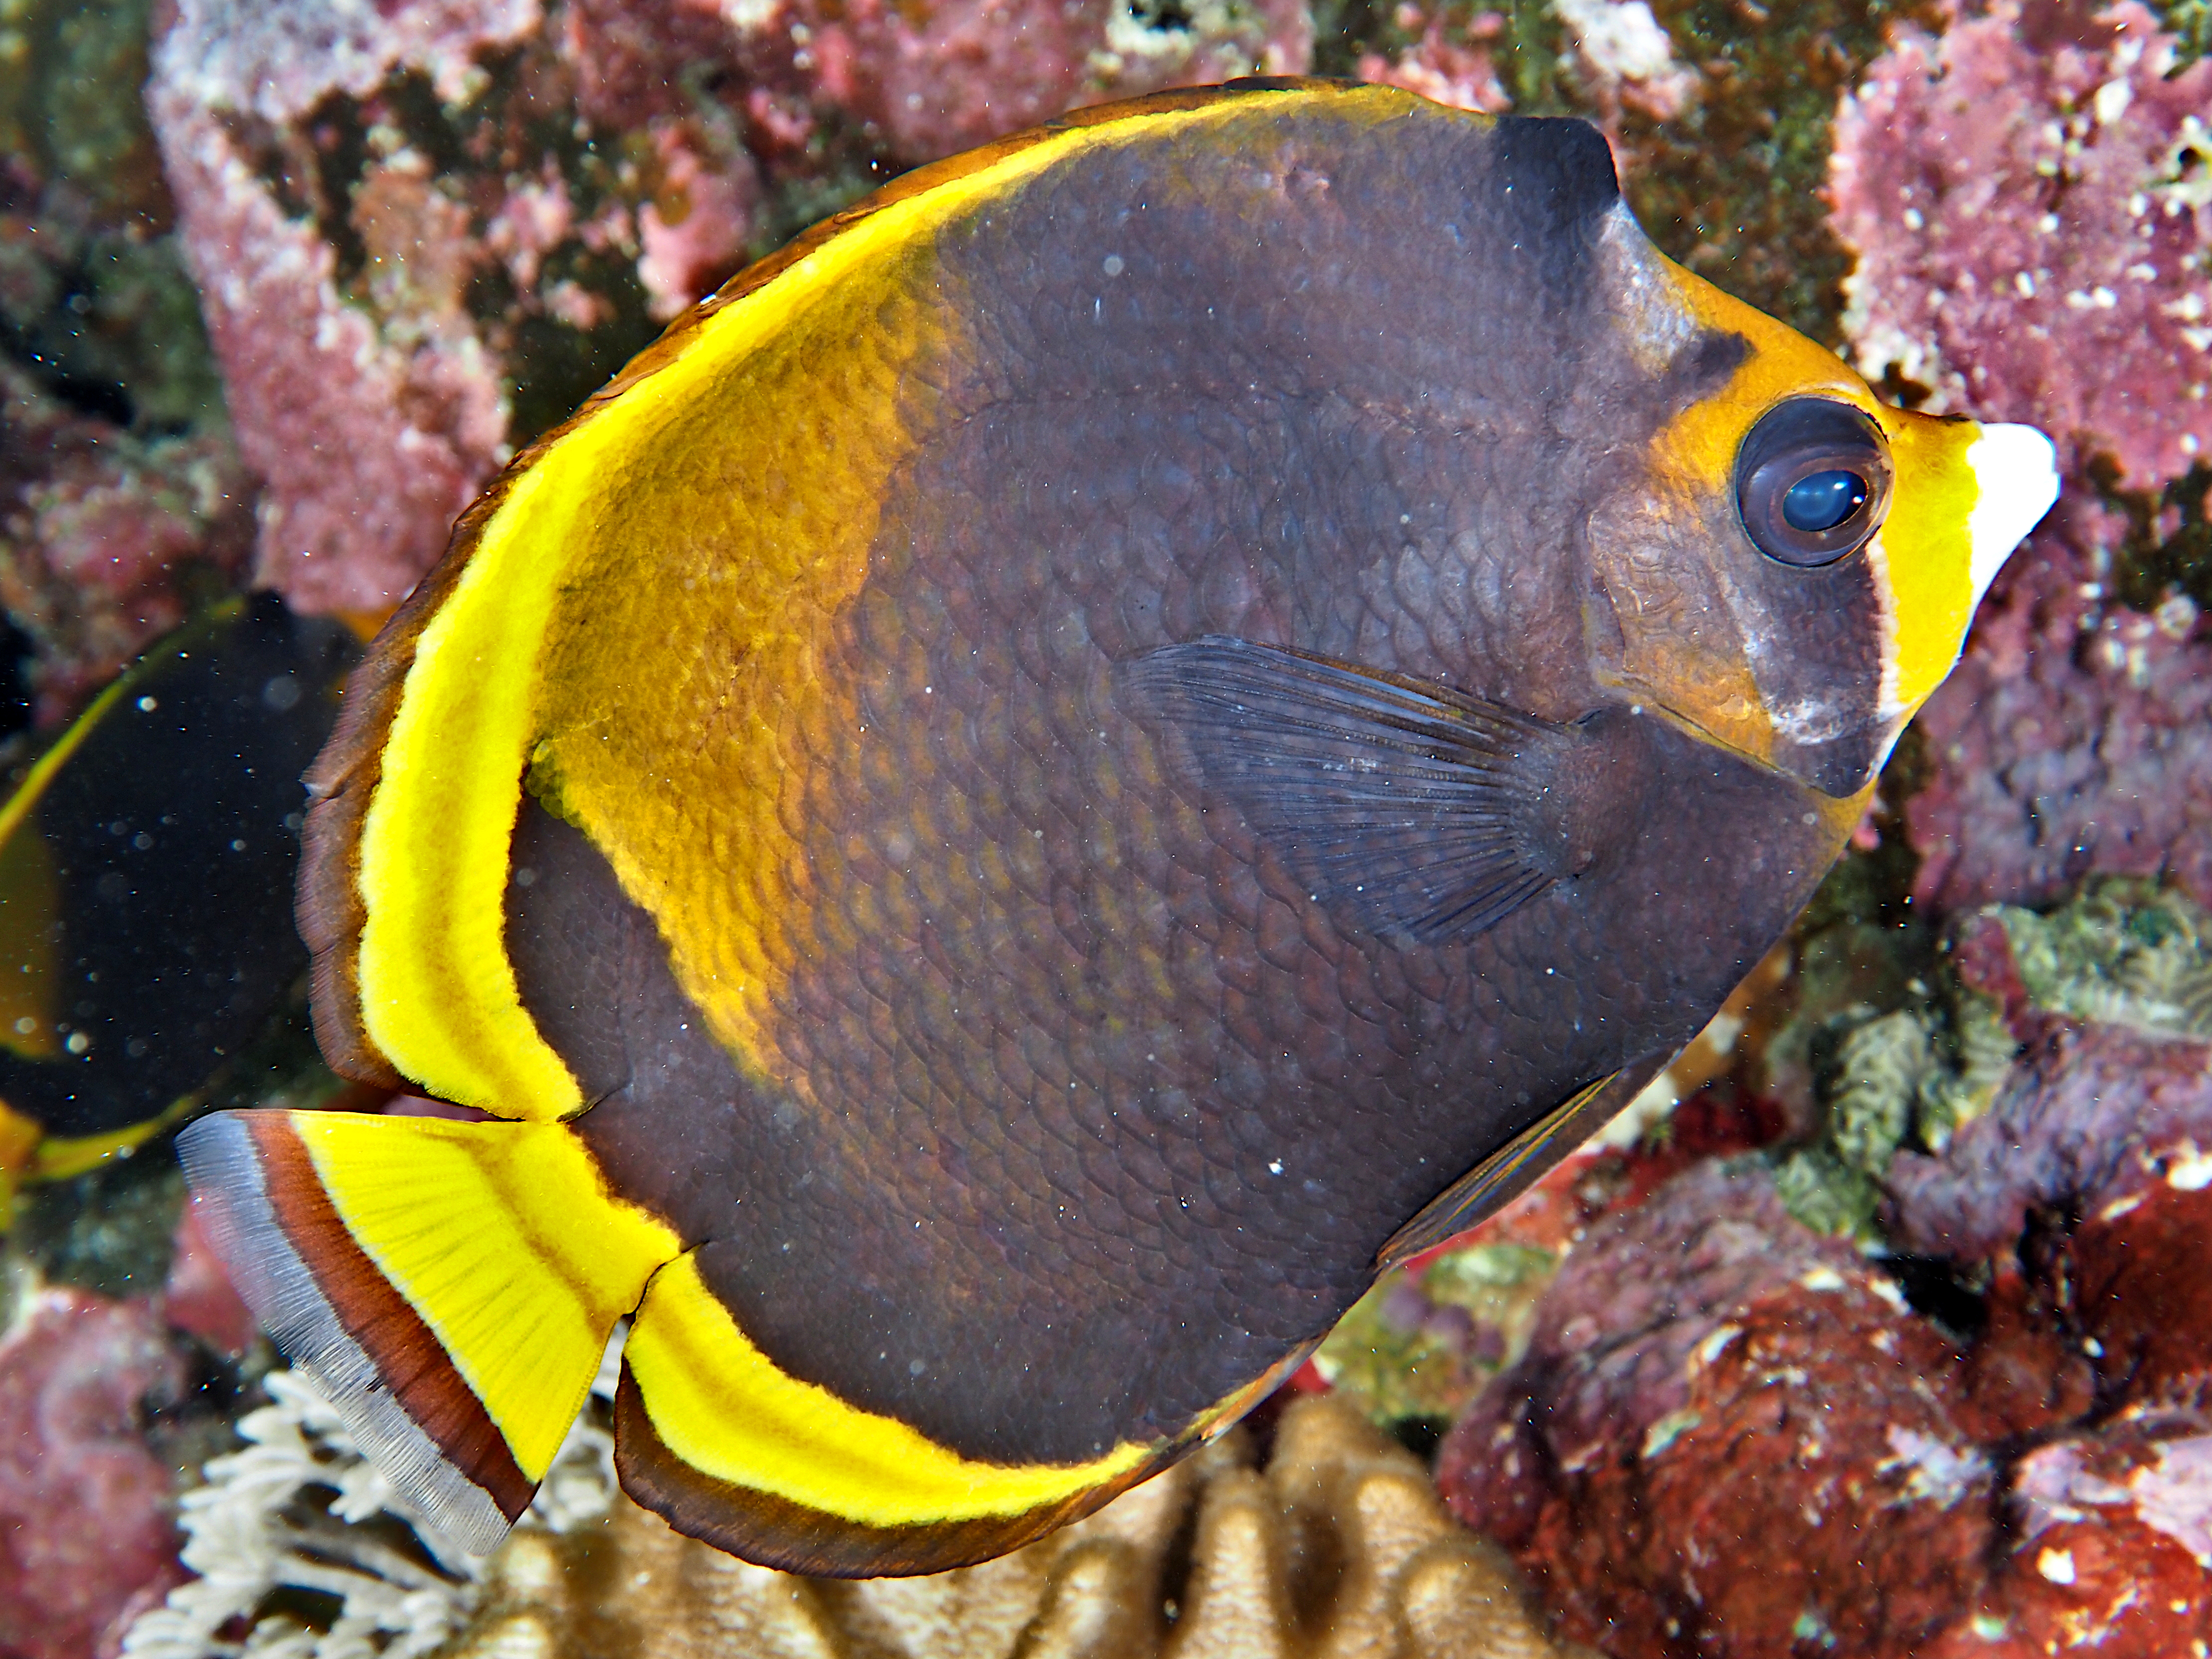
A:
[2030,197]
[278,319]
[1336,1547]
[86,1539]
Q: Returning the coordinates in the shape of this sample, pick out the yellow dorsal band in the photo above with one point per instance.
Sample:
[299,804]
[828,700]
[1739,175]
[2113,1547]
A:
[508,1245]
[721,1405]
[438,993]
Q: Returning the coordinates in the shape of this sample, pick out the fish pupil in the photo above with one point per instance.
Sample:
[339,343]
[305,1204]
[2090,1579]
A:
[1823,499]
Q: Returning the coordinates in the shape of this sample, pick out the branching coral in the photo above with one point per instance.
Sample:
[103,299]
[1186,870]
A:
[268,1545]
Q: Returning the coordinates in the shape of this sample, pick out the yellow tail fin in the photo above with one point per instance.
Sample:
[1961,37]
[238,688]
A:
[451,1286]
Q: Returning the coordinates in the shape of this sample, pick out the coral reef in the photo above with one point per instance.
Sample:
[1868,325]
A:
[2011,1458]
[2110,1545]
[2075,737]
[118,486]
[107,536]
[2030,198]
[423,233]
[1337,1547]
[2100,1111]
[86,1540]
[298,1511]
[1422,1342]
[1706,1371]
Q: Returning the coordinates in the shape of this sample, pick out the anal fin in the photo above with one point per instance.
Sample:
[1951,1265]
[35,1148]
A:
[728,1447]
[451,1286]
[1514,1167]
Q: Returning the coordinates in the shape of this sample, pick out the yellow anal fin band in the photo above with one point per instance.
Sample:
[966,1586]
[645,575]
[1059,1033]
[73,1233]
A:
[451,1286]
[730,1449]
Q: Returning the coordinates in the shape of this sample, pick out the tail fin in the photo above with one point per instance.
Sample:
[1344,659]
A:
[451,1286]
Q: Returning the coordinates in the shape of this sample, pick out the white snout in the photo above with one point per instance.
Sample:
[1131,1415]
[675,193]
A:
[2017,477]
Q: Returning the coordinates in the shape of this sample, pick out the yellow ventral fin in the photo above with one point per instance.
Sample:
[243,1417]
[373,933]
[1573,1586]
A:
[451,1286]
[730,1449]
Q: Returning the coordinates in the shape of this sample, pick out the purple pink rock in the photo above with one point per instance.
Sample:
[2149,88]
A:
[1708,1374]
[2074,737]
[2030,198]
[86,1541]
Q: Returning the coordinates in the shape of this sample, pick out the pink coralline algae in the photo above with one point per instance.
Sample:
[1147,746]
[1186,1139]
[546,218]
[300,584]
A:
[379,270]
[366,441]
[86,1543]
[96,526]
[423,231]
[368,425]
[2074,737]
[2110,1547]
[2030,198]
[1447,63]
[940,77]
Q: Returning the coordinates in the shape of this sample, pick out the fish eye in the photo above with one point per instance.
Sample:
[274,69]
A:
[1812,481]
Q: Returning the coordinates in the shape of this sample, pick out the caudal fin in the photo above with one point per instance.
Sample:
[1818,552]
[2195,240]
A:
[451,1285]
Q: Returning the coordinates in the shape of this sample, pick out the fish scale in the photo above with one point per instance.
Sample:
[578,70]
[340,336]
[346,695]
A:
[1128,732]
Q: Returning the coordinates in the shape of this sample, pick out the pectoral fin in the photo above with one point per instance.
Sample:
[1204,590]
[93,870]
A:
[1423,814]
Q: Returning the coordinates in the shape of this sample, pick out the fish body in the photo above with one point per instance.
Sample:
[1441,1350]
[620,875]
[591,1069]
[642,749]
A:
[1156,717]
[139,949]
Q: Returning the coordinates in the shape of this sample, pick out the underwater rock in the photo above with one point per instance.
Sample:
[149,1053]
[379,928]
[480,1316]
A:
[1337,1547]
[423,234]
[2095,1115]
[103,533]
[1707,1372]
[86,1540]
[2030,197]
[2110,1540]
[951,74]
[1449,60]
[198,1297]
[121,496]
[2073,737]
[368,429]
[402,268]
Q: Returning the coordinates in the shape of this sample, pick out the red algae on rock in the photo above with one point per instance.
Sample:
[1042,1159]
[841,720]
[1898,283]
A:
[100,532]
[2110,1543]
[86,1539]
[1708,1374]
[369,428]
[2030,198]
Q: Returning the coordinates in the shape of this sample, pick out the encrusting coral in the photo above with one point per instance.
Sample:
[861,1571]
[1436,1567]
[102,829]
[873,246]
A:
[2030,197]
[1338,1547]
